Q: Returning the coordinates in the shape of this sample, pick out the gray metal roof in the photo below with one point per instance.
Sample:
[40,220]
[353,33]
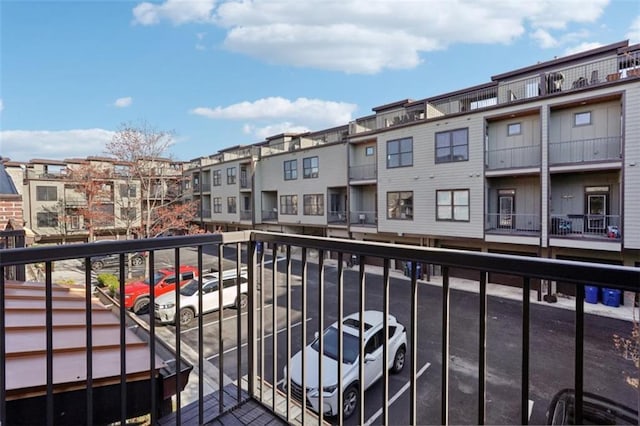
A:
[6,183]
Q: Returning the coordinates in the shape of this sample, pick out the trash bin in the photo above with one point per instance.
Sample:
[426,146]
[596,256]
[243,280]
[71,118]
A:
[591,294]
[611,297]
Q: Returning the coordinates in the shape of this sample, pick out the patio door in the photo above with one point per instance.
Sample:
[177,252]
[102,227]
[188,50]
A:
[506,208]
[596,208]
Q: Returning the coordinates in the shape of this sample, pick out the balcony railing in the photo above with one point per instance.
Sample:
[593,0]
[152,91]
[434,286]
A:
[363,172]
[206,213]
[515,223]
[245,183]
[508,158]
[270,215]
[585,150]
[246,214]
[364,218]
[206,187]
[303,295]
[337,217]
[586,226]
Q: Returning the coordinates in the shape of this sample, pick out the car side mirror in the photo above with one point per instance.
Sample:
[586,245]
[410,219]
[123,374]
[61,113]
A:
[369,358]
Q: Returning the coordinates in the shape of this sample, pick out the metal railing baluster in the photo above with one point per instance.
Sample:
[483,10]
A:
[444,391]
[526,315]
[482,351]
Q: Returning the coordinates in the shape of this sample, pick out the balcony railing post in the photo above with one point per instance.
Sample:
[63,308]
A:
[579,356]
[526,314]
[482,351]
[444,391]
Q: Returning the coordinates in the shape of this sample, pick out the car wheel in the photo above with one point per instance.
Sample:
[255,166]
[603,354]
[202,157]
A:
[243,302]
[141,306]
[350,401]
[137,261]
[97,265]
[398,360]
[186,316]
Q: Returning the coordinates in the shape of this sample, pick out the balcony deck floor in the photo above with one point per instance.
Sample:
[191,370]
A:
[249,412]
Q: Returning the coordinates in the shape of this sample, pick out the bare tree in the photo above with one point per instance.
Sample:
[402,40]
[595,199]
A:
[144,149]
[93,185]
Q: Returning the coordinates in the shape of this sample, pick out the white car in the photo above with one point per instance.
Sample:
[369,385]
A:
[165,305]
[373,358]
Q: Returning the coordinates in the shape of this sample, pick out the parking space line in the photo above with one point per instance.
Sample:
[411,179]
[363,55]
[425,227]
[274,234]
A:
[216,321]
[396,396]
[267,336]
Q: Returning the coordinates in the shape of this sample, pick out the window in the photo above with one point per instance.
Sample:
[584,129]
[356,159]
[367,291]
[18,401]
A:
[74,222]
[514,129]
[127,190]
[452,205]
[311,167]
[400,205]
[47,219]
[46,193]
[128,213]
[217,204]
[231,175]
[452,146]
[313,204]
[369,151]
[582,118]
[231,204]
[400,153]
[291,170]
[217,177]
[288,204]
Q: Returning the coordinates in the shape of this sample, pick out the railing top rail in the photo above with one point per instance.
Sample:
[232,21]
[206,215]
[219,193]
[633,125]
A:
[21,256]
[620,277]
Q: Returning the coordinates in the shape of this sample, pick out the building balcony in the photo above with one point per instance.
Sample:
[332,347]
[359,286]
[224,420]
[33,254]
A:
[337,218]
[513,223]
[363,218]
[513,158]
[462,352]
[363,172]
[206,213]
[597,227]
[246,214]
[585,151]
[270,215]
[245,183]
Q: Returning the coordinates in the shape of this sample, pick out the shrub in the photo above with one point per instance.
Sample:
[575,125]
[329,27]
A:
[110,281]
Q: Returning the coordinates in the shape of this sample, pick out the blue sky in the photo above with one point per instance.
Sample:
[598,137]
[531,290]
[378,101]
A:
[224,73]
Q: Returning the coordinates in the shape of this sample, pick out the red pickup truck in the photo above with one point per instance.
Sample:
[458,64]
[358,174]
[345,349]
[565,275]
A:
[137,294]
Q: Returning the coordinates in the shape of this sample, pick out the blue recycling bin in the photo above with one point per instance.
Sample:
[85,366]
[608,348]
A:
[591,294]
[407,270]
[611,297]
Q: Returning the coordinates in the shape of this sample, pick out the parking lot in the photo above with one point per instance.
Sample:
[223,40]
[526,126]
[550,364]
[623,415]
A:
[551,348]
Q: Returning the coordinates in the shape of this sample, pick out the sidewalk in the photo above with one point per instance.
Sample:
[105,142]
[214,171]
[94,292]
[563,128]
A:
[623,312]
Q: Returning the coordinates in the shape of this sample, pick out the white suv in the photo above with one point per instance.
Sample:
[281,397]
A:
[373,358]
[165,305]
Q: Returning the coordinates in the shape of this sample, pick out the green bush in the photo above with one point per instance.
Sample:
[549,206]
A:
[110,281]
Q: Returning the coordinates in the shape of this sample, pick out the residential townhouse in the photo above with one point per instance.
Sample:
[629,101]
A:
[52,198]
[541,161]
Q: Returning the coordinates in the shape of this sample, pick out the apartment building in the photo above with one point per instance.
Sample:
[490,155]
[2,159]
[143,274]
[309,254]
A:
[540,161]
[53,198]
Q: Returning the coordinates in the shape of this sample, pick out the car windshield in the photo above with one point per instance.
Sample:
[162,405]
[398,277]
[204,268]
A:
[190,288]
[330,341]
[156,278]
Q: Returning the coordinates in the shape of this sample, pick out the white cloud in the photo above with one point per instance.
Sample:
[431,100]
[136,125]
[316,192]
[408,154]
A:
[274,115]
[273,129]
[634,31]
[364,36]
[544,39]
[306,110]
[176,11]
[23,145]
[123,102]
[582,47]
